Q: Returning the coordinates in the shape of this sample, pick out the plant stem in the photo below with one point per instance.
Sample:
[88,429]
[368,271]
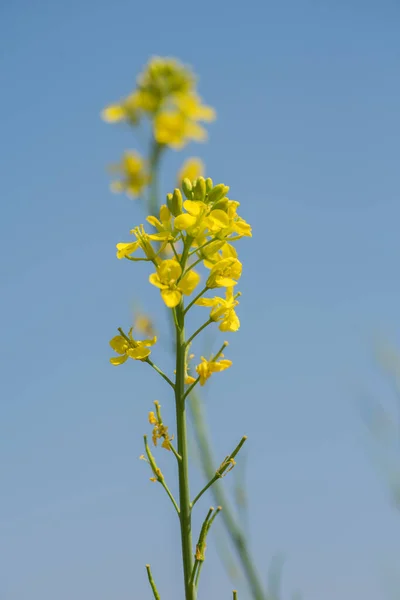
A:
[199,295]
[152,584]
[198,331]
[233,528]
[155,155]
[183,465]
[163,375]
[226,466]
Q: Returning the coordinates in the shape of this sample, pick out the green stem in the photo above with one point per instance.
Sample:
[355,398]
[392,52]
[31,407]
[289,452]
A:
[221,471]
[233,528]
[196,262]
[183,465]
[201,247]
[152,584]
[155,155]
[163,375]
[198,331]
[199,295]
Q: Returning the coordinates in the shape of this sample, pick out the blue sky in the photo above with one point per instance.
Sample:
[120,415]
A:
[307,136]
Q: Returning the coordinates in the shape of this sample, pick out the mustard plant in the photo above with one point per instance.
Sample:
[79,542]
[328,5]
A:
[189,244]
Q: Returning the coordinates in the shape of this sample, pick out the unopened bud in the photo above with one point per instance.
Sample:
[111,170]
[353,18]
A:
[200,190]
[218,192]
[187,188]
[174,202]
[209,184]
[221,204]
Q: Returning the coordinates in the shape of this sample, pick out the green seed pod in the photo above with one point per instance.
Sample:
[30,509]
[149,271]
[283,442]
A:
[209,184]
[187,188]
[218,192]
[200,190]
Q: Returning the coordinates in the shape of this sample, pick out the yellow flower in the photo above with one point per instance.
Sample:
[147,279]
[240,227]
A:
[130,348]
[223,310]
[191,106]
[125,249]
[207,367]
[134,174]
[144,241]
[167,278]
[191,169]
[164,77]
[193,220]
[163,224]
[225,273]
[174,129]
[177,126]
[127,109]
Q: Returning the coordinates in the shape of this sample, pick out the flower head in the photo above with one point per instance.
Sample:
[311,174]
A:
[128,347]
[192,221]
[168,278]
[225,273]
[207,367]
[134,175]
[223,310]
[127,109]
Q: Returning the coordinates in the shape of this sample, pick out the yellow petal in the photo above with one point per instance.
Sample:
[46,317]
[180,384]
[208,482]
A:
[184,221]
[138,353]
[219,218]
[118,360]
[225,281]
[149,342]
[216,367]
[207,301]
[189,282]
[154,222]
[230,323]
[155,280]
[194,208]
[171,297]
[196,132]
[119,344]
[126,249]
[169,270]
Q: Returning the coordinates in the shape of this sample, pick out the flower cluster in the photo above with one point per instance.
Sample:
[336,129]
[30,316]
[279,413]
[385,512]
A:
[198,227]
[166,95]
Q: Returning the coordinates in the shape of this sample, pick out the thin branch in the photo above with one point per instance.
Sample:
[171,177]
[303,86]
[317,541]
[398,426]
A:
[163,375]
[225,467]
[199,330]
[189,306]
[152,584]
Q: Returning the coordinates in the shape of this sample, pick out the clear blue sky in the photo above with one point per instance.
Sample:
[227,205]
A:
[307,94]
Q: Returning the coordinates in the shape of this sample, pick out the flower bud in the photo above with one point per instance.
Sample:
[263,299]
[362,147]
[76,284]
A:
[221,204]
[200,190]
[174,202]
[218,192]
[187,188]
[209,184]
